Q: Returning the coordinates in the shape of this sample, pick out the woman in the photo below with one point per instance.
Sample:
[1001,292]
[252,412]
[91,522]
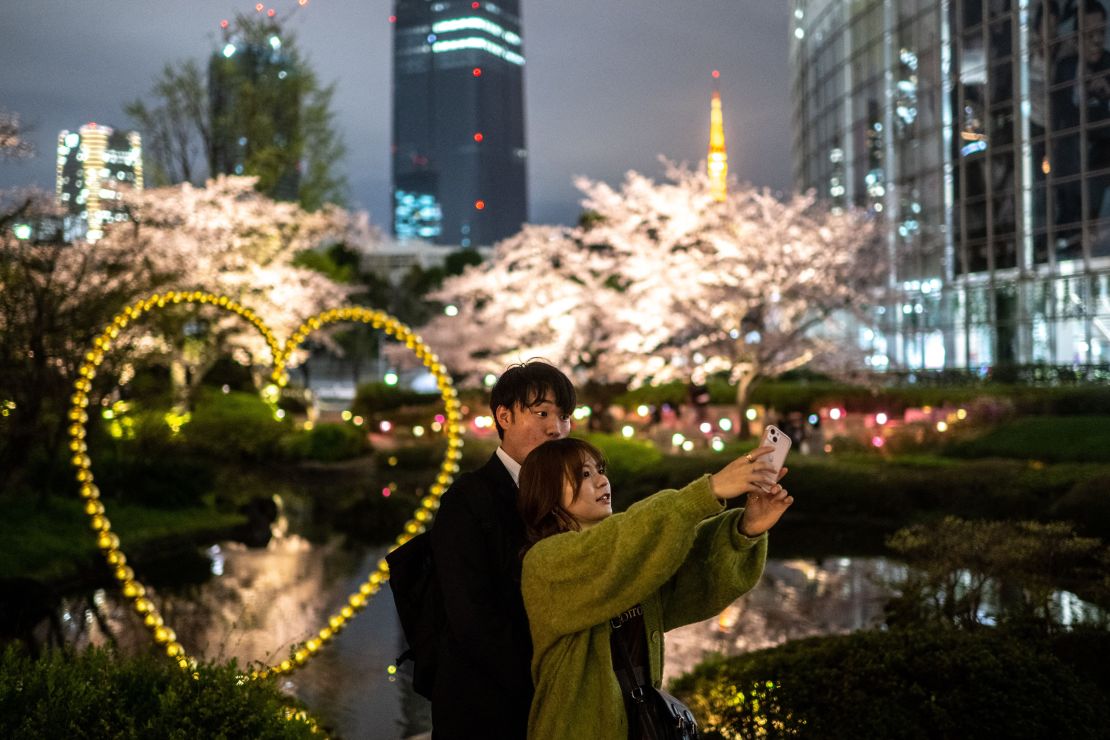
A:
[674,558]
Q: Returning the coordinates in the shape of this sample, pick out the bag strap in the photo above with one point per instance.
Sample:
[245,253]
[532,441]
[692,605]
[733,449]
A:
[630,678]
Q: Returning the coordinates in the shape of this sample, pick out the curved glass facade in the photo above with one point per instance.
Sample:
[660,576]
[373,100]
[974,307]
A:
[980,131]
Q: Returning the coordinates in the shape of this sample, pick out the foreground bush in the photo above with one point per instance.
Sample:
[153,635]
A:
[95,694]
[939,683]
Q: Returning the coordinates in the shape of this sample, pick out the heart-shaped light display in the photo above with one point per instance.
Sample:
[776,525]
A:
[109,542]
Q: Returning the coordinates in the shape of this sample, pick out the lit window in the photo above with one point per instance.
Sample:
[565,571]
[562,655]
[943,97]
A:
[473,23]
[475,42]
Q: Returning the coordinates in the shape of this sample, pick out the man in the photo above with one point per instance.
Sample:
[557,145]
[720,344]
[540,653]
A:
[483,685]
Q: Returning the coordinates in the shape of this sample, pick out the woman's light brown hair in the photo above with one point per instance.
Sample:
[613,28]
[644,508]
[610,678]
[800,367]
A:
[543,475]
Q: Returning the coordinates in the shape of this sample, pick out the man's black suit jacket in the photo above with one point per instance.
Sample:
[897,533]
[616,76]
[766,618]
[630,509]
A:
[483,684]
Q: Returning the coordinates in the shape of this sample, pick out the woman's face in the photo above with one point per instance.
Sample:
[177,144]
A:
[594,500]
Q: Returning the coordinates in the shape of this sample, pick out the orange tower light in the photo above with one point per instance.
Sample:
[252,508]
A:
[717,161]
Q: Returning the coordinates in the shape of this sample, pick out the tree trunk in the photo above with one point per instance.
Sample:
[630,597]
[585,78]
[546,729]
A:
[179,382]
[743,392]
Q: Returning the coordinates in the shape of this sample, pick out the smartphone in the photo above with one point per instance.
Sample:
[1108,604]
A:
[780,440]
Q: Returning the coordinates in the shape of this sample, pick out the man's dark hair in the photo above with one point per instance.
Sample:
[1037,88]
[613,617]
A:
[526,384]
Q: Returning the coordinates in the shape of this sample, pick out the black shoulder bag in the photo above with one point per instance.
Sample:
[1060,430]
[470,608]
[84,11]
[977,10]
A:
[419,608]
[661,716]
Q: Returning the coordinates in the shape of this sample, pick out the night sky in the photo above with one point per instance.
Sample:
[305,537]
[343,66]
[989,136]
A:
[609,85]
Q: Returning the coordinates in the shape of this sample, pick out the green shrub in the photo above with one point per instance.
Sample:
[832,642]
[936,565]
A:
[806,395]
[1086,505]
[1071,401]
[94,694]
[233,426]
[1047,438]
[420,457]
[673,393]
[940,683]
[836,491]
[842,445]
[371,398]
[325,442]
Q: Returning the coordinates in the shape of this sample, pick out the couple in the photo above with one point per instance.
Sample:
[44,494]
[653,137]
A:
[532,566]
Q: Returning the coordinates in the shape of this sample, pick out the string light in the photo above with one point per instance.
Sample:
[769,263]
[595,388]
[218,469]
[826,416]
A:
[109,543]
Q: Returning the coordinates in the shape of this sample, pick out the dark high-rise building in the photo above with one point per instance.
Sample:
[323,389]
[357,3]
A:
[459,158]
[254,96]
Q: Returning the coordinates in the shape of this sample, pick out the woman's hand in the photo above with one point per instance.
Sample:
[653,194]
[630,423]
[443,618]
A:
[764,509]
[745,475]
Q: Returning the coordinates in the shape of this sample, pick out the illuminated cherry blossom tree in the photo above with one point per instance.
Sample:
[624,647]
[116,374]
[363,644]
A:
[13,137]
[660,282]
[227,238]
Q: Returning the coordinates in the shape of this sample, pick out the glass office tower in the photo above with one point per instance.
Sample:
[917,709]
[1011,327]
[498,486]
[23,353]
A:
[459,160]
[979,131]
[97,168]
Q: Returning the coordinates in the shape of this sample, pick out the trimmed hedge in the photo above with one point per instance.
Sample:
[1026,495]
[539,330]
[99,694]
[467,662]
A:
[325,443]
[805,396]
[95,694]
[939,683]
[233,426]
[1046,438]
[371,398]
[846,492]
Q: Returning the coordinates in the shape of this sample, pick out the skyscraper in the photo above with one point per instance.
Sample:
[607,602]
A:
[979,133]
[96,168]
[459,160]
[717,161]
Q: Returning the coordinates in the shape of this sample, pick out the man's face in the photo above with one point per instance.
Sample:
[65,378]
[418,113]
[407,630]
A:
[528,427]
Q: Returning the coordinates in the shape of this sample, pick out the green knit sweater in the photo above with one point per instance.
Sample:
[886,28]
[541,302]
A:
[675,552]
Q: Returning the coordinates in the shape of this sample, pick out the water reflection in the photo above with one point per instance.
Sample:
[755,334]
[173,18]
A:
[260,602]
[794,599]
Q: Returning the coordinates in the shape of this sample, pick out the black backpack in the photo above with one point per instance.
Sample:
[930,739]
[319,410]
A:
[420,608]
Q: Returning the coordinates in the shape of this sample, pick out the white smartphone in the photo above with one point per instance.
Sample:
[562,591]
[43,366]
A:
[780,440]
